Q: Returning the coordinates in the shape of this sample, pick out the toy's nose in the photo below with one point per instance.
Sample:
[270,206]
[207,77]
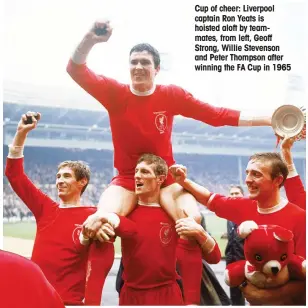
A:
[275,270]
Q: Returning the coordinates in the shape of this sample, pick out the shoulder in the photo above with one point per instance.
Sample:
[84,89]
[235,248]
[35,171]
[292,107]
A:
[170,89]
[79,211]
[295,209]
[115,83]
[16,262]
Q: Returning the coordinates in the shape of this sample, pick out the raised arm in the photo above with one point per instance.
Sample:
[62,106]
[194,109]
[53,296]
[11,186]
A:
[293,185]
[33,197]
[179,173]
[100,32]
[188,106]
[100,87]
[234,209]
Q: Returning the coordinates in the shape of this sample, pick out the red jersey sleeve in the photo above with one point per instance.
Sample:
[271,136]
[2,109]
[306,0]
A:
[234,209]
[126,228]
[188,106]
[300,234]
[103,89]
[214,256]
[100,260]
[37,202]
[295,191]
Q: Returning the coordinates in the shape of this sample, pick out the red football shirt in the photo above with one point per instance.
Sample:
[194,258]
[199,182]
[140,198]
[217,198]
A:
[295,191]
[149,244]
[23,284]
[143,124]
[57,249]
[288,216]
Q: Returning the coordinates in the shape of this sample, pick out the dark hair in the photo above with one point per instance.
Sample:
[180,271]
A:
[278,165]
[160,166]
[150,49]
[80,168]
[237,186]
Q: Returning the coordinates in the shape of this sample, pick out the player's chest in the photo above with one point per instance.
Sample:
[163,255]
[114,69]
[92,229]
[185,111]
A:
[63,232]
[147,113]
[161,232]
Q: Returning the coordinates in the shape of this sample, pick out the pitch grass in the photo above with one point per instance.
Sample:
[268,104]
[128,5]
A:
[217,227]
[26,230]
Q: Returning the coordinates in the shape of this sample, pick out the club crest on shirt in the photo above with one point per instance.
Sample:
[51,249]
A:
[165,233]
[161,121]
[76,233]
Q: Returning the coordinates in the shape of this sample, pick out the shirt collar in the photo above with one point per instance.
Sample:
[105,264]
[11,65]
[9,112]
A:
[146,93]
[283,202]
[148,204]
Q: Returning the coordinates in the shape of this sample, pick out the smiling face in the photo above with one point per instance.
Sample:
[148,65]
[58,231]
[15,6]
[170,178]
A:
[142,70]
[259,181]
[68,187]
[147,183]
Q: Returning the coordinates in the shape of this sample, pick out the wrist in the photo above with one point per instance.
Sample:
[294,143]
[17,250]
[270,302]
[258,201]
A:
[185,183]
[80,54]
[208,243]
[83,239]
[201,236]
[286,155]
[113,220]
[16,151]
[292,171]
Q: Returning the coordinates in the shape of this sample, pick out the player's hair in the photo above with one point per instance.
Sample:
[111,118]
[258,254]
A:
[150,49]
[237,186]
[160,166]
[80,168]
[279,167]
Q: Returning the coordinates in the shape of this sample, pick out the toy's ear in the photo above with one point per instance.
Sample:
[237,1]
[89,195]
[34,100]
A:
[245,228]
[282,234]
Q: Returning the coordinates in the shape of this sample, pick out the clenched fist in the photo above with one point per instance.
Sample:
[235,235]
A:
[179,173]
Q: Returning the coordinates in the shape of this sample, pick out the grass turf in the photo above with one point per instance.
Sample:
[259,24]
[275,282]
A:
[26,230]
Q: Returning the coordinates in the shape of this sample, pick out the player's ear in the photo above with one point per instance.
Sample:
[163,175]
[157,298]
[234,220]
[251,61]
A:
[278,180]
[161,179]
[83,182]
[157,70]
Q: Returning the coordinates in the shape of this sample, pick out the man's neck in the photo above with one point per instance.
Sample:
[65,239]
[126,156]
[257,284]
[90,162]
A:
[70,202]
[269,202]
[149,201]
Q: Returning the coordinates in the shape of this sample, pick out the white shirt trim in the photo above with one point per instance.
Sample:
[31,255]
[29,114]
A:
[154,204]
[249,117]
[292,171]
[138,93]
[210,200]
[275,208]
[292,174]
[15,152]
[69,206]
